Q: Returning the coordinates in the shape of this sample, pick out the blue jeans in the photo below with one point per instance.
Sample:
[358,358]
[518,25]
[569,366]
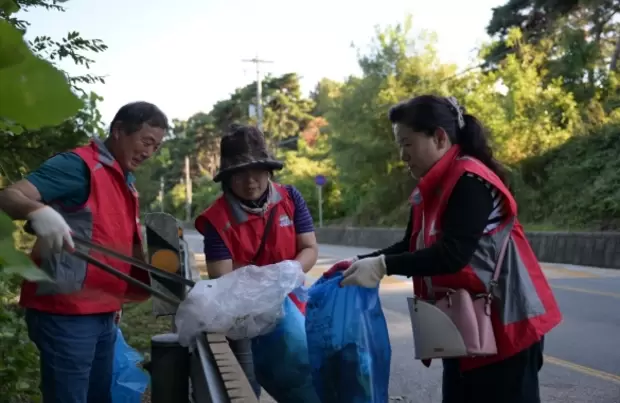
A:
[77,355]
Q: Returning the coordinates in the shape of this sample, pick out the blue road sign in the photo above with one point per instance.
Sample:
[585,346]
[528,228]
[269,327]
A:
[320,180]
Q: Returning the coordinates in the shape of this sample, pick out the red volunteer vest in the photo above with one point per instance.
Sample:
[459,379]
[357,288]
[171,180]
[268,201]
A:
[109,217]
[242,232]
[527,309]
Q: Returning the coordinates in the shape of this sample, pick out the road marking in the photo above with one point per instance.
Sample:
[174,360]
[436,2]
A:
[548,359]
[563,272]
[586,291]
[583,369]
[397,282]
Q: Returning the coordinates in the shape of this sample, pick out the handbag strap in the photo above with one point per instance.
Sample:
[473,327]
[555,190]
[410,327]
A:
[498,265]
[268,226]
[500,258]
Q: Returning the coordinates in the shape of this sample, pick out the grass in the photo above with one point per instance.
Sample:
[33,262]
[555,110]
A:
[138,325]
[542,227]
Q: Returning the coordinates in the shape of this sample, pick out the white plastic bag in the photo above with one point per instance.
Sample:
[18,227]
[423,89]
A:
[243,304]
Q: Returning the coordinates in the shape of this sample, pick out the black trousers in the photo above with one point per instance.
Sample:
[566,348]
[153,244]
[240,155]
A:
[514,380]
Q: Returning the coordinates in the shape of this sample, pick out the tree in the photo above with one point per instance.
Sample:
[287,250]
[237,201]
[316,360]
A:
[585,35]
[323,96]
[535,113]
[286,111]
[286,115]
[373,178]
[25,151]
[311,158]
[526,107]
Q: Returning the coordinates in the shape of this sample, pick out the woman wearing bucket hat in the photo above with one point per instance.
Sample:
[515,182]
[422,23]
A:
[255,221]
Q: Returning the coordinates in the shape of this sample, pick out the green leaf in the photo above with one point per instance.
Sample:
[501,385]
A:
[12,46]
[34,93]
[11,128]
[6,227]
[23,385]
[9,6]
[13,261]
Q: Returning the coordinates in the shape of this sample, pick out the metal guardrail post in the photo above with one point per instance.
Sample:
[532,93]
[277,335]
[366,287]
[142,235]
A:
[169,369]
[207,383]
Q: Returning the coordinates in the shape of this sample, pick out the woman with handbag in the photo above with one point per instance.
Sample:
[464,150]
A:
[254,221]
[482,302]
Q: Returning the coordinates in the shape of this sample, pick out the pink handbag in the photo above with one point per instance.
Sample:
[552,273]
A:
[457,325]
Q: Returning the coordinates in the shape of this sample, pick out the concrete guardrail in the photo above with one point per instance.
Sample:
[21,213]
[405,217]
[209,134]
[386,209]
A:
[596,249]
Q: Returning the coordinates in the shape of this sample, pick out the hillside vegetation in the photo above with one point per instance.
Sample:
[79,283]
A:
[554,132]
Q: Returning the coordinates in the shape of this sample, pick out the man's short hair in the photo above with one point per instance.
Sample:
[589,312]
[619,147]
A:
[132,116]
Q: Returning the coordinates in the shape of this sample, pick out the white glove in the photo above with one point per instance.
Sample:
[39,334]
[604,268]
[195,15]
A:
[365,272]
[51,228]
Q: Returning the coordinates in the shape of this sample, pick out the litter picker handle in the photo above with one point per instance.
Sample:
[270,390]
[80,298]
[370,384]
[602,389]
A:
[127,259]
[105,267]
[133,261]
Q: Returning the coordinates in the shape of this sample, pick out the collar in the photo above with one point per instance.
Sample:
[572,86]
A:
[241,212]
[106,157]
[432,179]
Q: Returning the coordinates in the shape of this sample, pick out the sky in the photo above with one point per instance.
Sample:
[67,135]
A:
[185,56]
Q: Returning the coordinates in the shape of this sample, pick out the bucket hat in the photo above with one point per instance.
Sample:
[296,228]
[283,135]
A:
[244,147]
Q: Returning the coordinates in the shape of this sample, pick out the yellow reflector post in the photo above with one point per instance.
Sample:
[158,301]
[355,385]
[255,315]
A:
[166,260]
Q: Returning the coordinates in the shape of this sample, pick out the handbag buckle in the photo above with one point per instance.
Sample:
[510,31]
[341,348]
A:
[449,297]
[487,303]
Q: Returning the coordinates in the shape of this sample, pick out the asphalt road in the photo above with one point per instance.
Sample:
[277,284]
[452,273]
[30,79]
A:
[582,354]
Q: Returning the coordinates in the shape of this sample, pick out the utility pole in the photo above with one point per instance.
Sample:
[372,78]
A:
[161,193]
[188,191]
[259,90]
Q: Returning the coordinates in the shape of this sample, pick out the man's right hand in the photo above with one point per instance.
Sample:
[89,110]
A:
[51,228]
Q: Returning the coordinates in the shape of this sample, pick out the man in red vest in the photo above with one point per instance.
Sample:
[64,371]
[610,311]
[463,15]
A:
[88,192]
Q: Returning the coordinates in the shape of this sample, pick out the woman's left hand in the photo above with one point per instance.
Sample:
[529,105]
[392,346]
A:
[365,272]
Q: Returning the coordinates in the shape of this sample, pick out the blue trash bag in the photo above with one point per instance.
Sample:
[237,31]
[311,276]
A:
[348,342]
[281,359]
[129,382]
[301,293]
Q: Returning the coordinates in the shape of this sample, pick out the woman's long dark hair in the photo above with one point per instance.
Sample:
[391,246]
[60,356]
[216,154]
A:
[426,113]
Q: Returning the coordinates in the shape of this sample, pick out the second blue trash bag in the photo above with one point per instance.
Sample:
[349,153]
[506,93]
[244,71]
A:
[348,343]
[281,359]
[128,380]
